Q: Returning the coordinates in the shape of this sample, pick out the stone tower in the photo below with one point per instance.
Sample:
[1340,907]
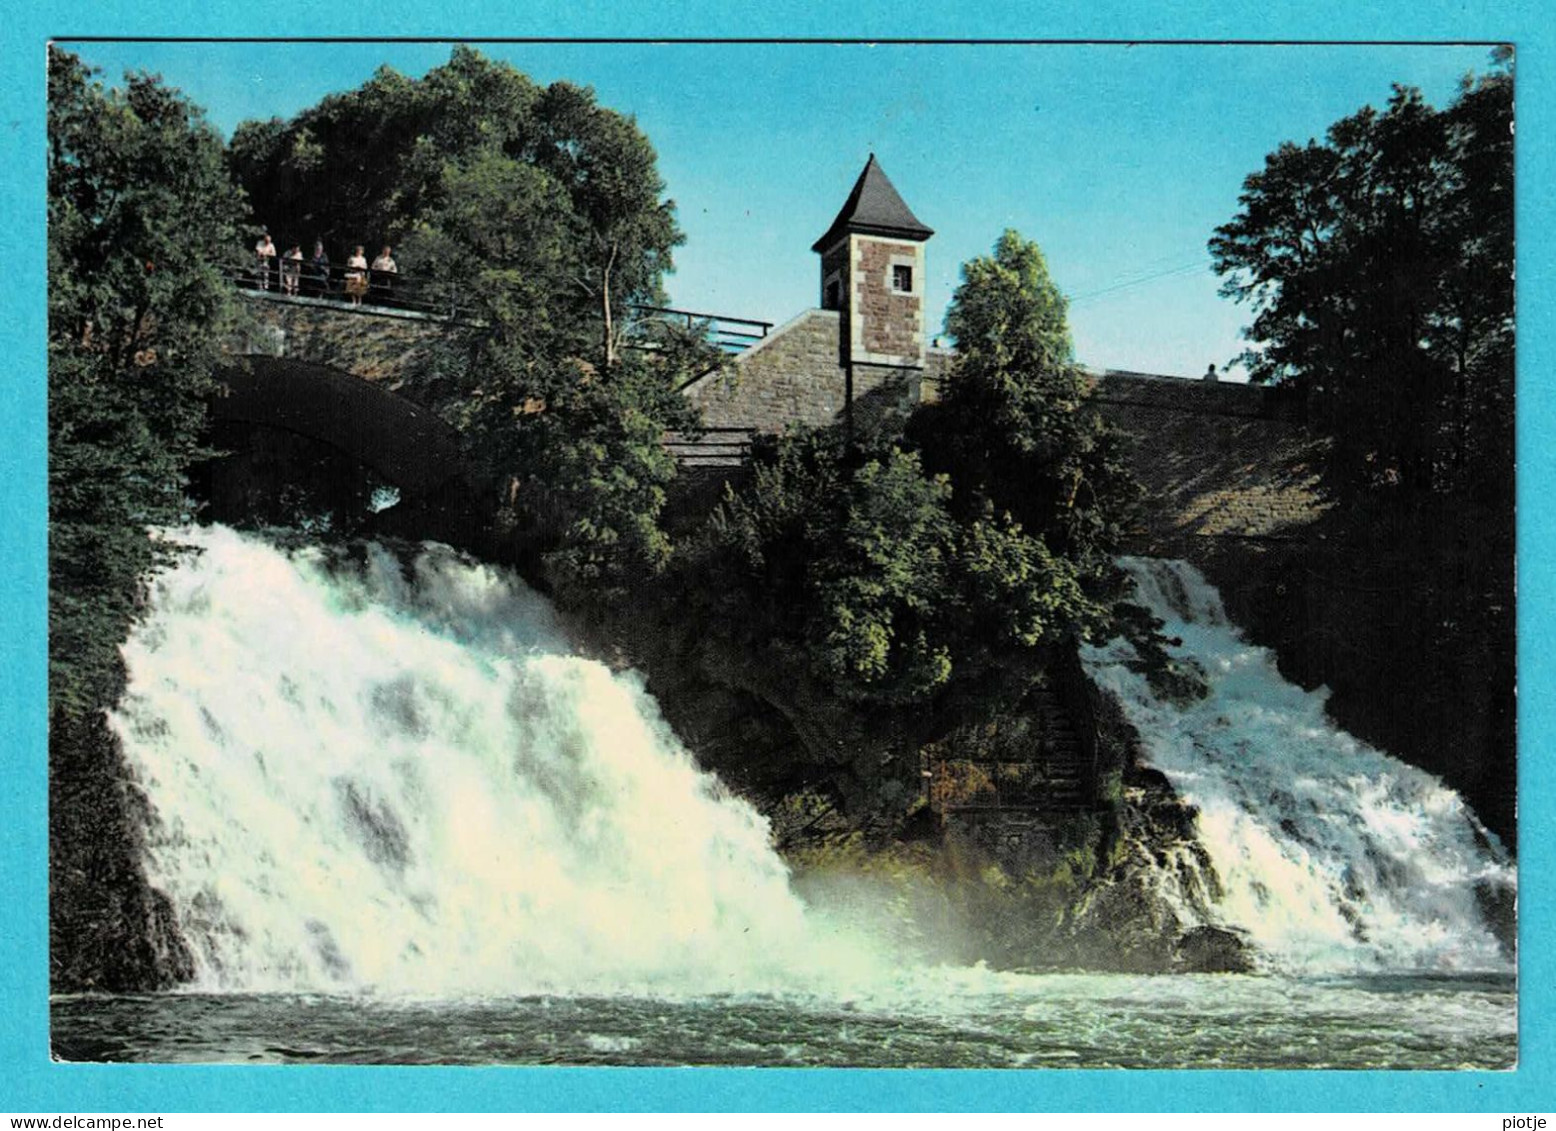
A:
[872,274]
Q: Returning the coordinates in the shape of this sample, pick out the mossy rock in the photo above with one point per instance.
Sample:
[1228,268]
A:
[1212,950]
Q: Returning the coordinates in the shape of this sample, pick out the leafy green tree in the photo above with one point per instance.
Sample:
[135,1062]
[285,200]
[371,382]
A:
[498,249]
[1378,263]
[851,571]
[610,171]
[947,566]
[464,169]
[363,165]
[1011,427]
[586,467]
[542,393]
[836,569]
[1379,266]
[141,212]
[540,216]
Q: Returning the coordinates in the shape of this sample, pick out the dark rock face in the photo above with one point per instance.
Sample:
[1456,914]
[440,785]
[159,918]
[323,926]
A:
[1212,950]
[1131,915]
[109,930]
[1121,925]
[1499,908]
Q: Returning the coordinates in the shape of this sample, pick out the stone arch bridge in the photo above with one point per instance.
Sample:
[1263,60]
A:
[312,382]
[1227,468]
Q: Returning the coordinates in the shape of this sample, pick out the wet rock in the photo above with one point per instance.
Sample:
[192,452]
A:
[1212,950]
[1125,926]
[1499,908]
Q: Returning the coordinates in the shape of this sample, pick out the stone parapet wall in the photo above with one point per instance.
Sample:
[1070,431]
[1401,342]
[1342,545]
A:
[1203,398]
[384,347]
[1216,460]
[791,377]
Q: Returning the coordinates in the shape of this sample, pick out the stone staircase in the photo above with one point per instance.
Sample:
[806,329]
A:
[1046,771]
[1065,773]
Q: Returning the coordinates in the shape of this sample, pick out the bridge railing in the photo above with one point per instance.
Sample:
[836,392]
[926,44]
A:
[336,282]
[726,332]
[442,298]
[712,447]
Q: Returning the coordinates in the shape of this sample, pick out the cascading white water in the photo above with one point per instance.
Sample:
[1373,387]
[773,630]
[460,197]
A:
[398,776]
[1333,856]
[363,780]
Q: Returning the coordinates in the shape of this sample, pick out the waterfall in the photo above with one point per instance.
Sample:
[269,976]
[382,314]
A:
[390,771]
[1331,855]
[369,774]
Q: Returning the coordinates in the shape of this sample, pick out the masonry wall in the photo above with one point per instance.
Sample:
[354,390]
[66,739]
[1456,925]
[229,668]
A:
[1220,461]
[792,376]
[381,348]
[1216,460]
[888,324]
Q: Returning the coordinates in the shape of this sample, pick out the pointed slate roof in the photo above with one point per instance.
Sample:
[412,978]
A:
[874,208]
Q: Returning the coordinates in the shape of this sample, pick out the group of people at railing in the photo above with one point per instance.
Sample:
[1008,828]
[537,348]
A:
[291,274]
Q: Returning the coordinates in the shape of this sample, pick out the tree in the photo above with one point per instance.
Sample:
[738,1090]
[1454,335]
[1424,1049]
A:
[836,570]
[947,565]
[1012,428]
[363,165]
[1379,265]
[500,247]
[466,168]
[610,171]
[540,216]
[141,213]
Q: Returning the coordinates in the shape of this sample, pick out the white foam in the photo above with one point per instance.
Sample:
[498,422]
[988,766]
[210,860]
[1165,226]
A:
[363,780]
[1331,854]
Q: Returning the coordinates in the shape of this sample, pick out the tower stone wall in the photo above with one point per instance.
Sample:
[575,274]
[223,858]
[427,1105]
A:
[886,322]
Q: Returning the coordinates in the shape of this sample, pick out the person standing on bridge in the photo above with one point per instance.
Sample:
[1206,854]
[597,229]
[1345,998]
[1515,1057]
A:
[356,276]
[1210,374]
[266,251]
[292,269]
[383,267]
[319,271]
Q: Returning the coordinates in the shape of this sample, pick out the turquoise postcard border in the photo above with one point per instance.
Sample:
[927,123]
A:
[30,1082]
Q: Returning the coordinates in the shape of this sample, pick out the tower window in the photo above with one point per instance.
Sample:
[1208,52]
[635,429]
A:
[902,278]
[833,300]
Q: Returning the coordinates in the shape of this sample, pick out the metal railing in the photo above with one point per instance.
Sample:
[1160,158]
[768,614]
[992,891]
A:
[712,447]
[728,333]
[350,287]
[356,288]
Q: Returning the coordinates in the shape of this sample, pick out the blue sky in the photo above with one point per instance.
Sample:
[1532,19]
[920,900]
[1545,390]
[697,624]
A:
[1119,160]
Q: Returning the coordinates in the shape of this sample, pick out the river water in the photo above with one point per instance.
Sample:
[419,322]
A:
[945,1019]
[401,821]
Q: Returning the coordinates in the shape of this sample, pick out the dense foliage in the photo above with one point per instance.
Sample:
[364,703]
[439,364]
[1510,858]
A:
[1379,263]
[853,572]
[540,216]
[140,209]
[531,202]
[893,575]
[1010,427]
